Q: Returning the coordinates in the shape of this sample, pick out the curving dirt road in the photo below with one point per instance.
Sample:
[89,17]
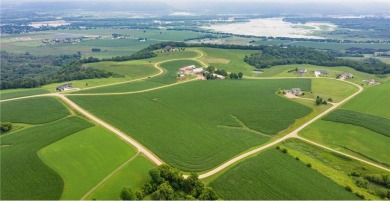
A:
[158,161]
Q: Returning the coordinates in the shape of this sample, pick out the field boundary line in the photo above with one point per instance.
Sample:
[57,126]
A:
[110,175]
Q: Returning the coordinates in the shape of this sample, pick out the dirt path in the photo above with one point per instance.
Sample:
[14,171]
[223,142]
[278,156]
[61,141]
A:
[158,161]
[109,176]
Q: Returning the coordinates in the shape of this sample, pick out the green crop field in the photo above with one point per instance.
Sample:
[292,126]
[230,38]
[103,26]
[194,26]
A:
[328,88]
[228,59]
[168,77]
[33,111]
[352,139]
[336,167]
[133,176]
[273,175]
[375,123]
[23,175]
[85,158]
[375,100]
[198,125]
[15,93]
[131,69]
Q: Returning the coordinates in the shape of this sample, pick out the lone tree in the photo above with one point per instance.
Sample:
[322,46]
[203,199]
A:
[240,75]
[5,127]
[127,194]
[318,100]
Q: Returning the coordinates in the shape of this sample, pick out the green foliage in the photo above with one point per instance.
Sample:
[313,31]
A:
[33,110]
[127,194]
[203,128]
[23,175]
[375,123]
[272,176]
[168,183]
[132,69]
[5,127]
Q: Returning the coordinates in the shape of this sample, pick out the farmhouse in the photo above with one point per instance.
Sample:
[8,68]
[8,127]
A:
[198,70]
[187,68]
[168,48]
[346,76]
[302,70]
[321,71]
[372,82]
[219,76]
[64,87]
[296,91]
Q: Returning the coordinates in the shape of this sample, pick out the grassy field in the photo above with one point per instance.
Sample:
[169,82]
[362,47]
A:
[375,100]
[228,59]
[351,139]
[33,111]
[15,93]
[375,123]
[130,69]
[32,42]
[85,158]
[23,175]
[168,77]
[133,176]
[335,89]
[335,166]
[273,175]
[198,125]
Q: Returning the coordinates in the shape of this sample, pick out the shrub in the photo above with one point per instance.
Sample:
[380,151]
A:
[284,150]
[348,188]
[308,165]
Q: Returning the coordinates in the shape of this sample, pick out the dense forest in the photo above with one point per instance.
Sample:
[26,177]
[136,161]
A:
[28,71]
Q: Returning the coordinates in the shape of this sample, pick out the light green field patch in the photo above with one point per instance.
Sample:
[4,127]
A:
[85,158]
[350,138]
[133,175]
[15,93]
[375,100]
[131,69]
[327,88]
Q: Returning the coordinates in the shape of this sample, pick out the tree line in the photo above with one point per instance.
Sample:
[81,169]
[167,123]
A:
[29,71]
[167,183]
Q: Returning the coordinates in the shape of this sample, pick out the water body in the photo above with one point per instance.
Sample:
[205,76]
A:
[274,27]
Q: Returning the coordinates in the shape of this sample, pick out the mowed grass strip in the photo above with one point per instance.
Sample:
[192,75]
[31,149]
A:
[131,69]
[377,124]
[133,176]
[350,138]
[16,93]
[187,125]
[33,110]
[23,174]
[85,158]
[273,175]
[375,100]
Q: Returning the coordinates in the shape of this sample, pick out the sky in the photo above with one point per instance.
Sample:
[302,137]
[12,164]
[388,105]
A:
[269,1]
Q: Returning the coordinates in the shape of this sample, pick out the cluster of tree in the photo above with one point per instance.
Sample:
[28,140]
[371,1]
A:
[272,56]
[96,49]
[167,183]
[19,72]
[5,127]
[209,36]
[320,101]
[211,73]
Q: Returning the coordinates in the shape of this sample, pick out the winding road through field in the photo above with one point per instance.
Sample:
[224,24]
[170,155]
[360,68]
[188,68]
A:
[158,161]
